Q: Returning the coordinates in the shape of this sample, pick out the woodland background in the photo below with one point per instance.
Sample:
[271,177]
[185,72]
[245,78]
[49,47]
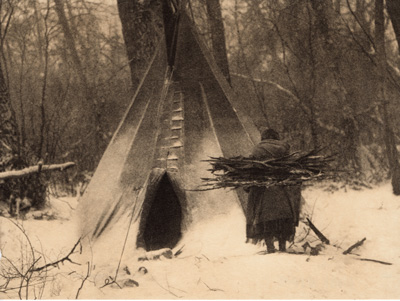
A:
[325,74]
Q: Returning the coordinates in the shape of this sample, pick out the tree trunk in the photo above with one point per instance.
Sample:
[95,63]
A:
[218,36]
[388,134]
[313,125]
[338,6]
[70,41]
[320,8]
[393,8]
[9,134]
[139,22]
[325,15]
[90,108]
[8,125]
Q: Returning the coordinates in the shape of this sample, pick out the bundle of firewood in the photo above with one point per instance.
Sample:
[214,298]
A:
[293,169]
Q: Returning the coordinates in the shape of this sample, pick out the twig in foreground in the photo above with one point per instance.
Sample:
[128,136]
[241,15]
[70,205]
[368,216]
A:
[356,245]
[83,281]
[56,263]
[374,260]
[318,233]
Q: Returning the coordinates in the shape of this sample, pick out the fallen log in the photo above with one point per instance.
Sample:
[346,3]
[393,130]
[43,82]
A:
[13,174]
[356,245]
[318,233]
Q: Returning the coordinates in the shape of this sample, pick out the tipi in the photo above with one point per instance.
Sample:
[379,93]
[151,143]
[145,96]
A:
[183,112]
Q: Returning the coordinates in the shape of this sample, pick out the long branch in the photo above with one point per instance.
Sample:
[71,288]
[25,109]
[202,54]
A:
[12,174]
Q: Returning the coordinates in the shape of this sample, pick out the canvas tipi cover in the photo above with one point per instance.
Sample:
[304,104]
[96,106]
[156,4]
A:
[145,184]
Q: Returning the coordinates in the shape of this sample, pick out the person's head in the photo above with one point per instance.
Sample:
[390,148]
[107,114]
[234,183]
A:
[269,134]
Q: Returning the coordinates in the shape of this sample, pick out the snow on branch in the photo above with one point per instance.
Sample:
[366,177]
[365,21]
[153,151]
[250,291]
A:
[12,174]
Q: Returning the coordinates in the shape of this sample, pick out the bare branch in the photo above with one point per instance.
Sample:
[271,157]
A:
[83,281]
[34,169]
[352,247]
[56,263]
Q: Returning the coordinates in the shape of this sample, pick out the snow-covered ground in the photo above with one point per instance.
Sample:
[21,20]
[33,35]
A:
[215,262]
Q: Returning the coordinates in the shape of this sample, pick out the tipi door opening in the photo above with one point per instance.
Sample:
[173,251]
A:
[162,227]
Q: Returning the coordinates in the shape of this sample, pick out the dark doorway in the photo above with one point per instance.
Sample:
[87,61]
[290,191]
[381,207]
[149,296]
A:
[163,223]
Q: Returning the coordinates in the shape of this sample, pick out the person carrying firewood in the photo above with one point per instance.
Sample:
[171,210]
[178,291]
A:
[272,212]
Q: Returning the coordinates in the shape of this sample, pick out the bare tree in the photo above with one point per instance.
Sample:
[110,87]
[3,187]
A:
[389,138]
[9,134]
[8,125]
[11,154]
[90,104]
[44,84]
[70,40]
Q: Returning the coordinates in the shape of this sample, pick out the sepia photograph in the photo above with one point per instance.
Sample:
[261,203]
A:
[199,149]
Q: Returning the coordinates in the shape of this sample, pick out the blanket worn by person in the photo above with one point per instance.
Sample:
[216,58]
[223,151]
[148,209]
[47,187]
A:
[272,212]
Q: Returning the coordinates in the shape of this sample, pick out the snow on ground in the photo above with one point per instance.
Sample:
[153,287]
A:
[215,263]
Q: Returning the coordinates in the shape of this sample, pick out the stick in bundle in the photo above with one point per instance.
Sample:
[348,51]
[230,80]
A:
[293,169]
